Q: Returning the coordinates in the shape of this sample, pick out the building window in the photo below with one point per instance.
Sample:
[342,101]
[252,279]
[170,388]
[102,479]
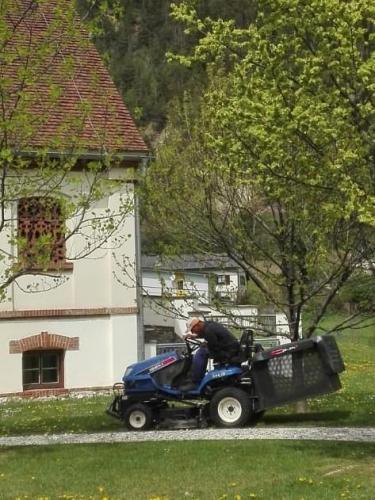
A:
[41,234]
[223,279]
[179,282]
[43,369]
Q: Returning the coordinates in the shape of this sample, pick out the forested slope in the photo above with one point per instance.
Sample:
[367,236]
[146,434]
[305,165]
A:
[136,48]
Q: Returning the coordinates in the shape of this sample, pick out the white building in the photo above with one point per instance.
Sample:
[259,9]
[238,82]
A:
[73,326]
[178,288]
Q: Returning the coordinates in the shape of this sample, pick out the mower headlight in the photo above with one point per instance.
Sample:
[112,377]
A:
[128,371]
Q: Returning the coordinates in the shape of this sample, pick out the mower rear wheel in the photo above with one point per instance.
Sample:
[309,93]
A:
[138,417]
[230,407]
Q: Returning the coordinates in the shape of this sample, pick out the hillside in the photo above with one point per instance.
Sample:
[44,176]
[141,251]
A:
[136,54]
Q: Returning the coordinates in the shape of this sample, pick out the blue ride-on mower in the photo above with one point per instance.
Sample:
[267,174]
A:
[234,394]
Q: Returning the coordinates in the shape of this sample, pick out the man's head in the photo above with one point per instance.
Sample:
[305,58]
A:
[194,325]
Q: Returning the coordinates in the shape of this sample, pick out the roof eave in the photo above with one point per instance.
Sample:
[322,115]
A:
[89,155]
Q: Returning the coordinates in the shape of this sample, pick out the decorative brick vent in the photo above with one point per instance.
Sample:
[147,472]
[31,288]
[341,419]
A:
[44,340]
[41,218]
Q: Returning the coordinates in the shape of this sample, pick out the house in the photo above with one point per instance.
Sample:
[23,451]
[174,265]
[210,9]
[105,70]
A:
[188,281]
[180,287]
[70,155]
[205,276]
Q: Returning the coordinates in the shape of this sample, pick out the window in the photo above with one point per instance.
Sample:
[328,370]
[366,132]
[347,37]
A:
[41,234]
[179,280]
[223,279]
[42,369]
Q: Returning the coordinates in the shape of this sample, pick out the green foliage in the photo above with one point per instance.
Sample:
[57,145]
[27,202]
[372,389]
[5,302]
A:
[254,296]
[100,16]
[273,165]
[136,47]
[294,93]
[359,292]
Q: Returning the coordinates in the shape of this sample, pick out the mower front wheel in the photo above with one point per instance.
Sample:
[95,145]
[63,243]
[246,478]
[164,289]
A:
[230,407]
[138,417]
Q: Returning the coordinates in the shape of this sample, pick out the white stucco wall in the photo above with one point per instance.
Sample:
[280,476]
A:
[282,327]
[154,283]
[106,346]
[74,289]
[243,310]
[124,345]
[107,343]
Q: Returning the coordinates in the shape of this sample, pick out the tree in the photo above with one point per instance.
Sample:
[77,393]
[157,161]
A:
[55,153]
[276,167]
[136,41]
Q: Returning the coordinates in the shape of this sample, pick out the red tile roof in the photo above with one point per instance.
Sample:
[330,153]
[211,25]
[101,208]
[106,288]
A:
[57,93]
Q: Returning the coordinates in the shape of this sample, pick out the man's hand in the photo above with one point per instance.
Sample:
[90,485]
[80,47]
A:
[190,336]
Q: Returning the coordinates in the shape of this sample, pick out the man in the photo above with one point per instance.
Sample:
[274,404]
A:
[219,344]
[222,345]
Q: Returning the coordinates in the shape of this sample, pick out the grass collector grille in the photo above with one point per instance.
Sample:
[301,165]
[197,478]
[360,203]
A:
[296,371]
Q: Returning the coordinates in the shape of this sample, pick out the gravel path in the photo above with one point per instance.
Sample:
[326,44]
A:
[362,434]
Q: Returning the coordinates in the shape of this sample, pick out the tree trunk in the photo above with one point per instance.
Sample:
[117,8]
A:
[301,406]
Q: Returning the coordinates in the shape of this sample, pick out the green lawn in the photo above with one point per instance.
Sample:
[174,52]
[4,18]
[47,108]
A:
[353,405]
[231,470]
[226,470]
[51,416]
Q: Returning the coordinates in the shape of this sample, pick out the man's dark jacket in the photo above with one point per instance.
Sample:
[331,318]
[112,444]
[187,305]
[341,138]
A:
[222,345]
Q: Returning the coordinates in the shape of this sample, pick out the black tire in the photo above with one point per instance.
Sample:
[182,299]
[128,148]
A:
[230,407]
[138,417]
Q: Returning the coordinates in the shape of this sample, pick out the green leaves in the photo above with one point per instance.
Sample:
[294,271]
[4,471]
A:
[102,15]
[279,150]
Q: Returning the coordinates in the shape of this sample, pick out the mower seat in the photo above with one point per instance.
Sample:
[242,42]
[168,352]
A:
[246,342]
